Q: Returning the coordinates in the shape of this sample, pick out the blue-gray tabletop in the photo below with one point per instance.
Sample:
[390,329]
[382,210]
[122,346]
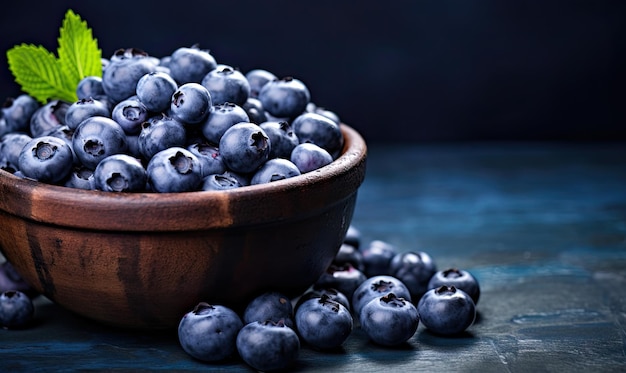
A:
[541,226]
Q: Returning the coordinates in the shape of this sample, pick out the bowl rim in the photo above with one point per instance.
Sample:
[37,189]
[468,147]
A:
[197,210]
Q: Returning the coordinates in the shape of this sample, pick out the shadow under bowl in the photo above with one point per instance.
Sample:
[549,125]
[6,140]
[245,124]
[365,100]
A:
[142,260]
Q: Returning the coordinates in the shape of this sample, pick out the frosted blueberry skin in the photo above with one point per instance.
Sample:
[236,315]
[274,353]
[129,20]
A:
[96,138]
[209,156]
[375,287]
[159,133]
[155,91]
[389,320]
[344,278]
[83,109]
[244,147]
[81,177]
[284,98]
[90,86]
[48,117]
[331,293]
[190,64]
[319,130]
[310,157]
[47,159]
[120,173]
[255,111]
[377,256]
[221,118]
[220,182]
[323,323]
[414,269]
[446,310]
[257,78]
[282,138]
[17,112]
[227,84]
[268,346]
[174,169]
[273,306]
[349,254]
[191,103]
[460,279]
[209,332]
[273,170]
[130,114]
[16,310]
[123,71]
[11,146]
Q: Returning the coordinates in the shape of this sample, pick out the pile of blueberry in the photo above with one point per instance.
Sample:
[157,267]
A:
[173,124]
[385,292]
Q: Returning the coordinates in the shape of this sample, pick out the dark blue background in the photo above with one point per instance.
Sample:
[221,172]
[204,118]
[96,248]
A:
[395,70]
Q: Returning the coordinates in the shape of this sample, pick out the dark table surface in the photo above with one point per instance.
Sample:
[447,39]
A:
[542,227]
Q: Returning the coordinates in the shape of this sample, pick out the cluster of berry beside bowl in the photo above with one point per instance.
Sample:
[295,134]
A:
[132,234]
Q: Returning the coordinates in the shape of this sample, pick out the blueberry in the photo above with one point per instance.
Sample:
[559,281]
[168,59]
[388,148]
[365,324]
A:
[47,159]
[83,109]
[130,114]
[96,138]
[323,323]
[257,78]
[209,156]
[90,86]
[312,108]
[220,182]
[81,177]
[414,269]
[226,84]
[16,310]
[11,280]
[159,133]
[174,169]
[244,147]
[389,320]
[331,293]
[243,179]
[120,173]
[191,103]
[309,157]
[273,170]
[222,117]
[377,257]
[285,98]
[344,278]
[125,68]
[282,138]
[319,130]
[268,346]
[48,117]
[353,237]
[11,146]
[375,287]
[460,279]
[349,254]
[271,305]
[255,111]
[190,64]
[209,332]
[446,310]
[155,91]
[18,111]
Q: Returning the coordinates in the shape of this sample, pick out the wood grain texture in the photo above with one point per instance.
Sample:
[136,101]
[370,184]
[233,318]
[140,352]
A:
[542,227]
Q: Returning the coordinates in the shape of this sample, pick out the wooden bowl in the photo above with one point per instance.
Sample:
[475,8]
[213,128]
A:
[142,260]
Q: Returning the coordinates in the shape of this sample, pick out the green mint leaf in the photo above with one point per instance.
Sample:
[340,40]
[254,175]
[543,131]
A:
[44,76]
[79,55]
[37,71]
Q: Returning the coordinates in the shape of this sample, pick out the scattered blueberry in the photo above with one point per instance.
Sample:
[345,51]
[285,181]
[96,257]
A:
[332,293]
[377,257]
[323,323]
[268,346]
[414,269]
[344,278]
[11,280]
[375,287]
[460,279]
[446,310]
[209,332]
[389,320]
[271,305]
[349,254]
[16,310]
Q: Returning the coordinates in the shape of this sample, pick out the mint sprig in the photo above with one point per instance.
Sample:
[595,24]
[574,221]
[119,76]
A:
[44,76]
